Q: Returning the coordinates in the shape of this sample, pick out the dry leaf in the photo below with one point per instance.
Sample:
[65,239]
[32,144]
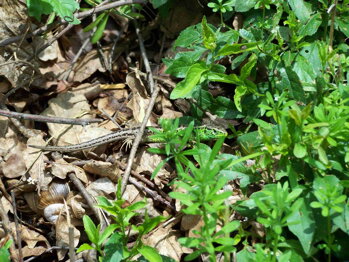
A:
[62,235]
[103,169]
[101,187]
[36,244]
[166,242]
[14,164]
[60,168]
[71,105]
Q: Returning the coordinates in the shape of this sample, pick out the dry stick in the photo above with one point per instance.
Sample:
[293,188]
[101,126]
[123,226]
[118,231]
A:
[88,198]
[54,38]
[47,250]
[19,238]
[154,195]
[150,78]
[332,9]
[71,244]
[49,119]
[108,6]
[139,136]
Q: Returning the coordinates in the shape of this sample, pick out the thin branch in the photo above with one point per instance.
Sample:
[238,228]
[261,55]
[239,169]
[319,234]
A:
[88,198]
[18,233]
[138,139]
[49,119]
[150,78]
[108,6]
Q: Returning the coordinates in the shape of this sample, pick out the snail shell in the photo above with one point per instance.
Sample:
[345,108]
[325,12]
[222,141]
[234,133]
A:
[50,202]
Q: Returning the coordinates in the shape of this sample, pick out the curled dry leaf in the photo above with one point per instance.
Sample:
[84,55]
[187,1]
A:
[34,161]
[77,206]
[85,67]
[101,187]
[165,240]
[103,169]
[147,162]
[139,101]
[51,52]
[35,243]
[60,168]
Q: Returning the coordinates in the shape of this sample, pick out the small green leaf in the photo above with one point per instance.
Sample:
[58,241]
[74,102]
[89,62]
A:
[90,229]
[185,87]
[95,22]
[100,30]
[240,91]
[84,247]
[299,150]
[233,49]
[209,36]
[151,254]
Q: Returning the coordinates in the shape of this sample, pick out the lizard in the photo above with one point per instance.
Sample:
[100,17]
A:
[204,133]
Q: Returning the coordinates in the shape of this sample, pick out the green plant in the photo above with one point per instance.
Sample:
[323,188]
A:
[4,253]
[111,243]
[64,9]
[206,198]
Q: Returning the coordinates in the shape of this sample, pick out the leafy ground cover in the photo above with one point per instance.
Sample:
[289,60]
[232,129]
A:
[272,73]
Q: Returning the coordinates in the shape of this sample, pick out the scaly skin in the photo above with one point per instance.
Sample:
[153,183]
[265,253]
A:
[205,133]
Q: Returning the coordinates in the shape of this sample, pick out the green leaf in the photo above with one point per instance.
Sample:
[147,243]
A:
[209,36]
[299,150]
[84,247]
[301,9]
[232,49]
[179,67]
[90,229]
[106,233]
[240,91]
[100,30]
[185,87]
[113,249]
[247,68]
[36,8]
[230,227]
[342,220]
[322,155]
[244,5]
[188,37]
[301,223]
[311,26]
[65,9]
[95,22]
[151,254]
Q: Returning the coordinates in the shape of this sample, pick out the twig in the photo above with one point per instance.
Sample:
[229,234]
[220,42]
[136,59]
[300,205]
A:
[18,233]
[71,244]
[108,6]
[139,136]
[154,195]
[332,9]
[150,78]
[88,198]
[54,38]
[47,250]
[138,139]
[49,119]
